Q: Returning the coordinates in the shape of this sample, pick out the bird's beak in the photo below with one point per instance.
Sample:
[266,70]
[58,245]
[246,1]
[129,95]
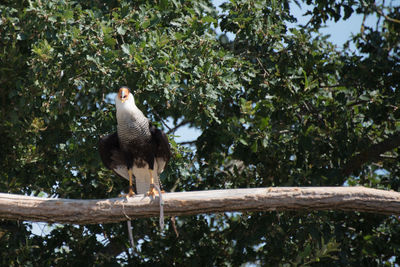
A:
[123,96]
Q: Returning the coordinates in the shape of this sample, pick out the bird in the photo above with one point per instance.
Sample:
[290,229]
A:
[137,149]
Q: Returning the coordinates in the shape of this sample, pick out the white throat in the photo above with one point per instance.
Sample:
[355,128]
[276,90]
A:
[128,108]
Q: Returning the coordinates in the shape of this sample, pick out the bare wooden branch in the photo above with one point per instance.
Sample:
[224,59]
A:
[25,208]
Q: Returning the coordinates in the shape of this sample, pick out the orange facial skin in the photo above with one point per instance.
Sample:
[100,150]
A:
[123,94]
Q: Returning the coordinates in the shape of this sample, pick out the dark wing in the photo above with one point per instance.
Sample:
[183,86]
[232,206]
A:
[112,156]
[107,144]
[162,147]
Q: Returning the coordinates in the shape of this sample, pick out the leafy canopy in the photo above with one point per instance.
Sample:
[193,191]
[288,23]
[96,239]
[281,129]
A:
[275,105]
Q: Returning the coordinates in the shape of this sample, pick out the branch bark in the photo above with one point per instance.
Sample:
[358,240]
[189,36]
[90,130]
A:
[18,207]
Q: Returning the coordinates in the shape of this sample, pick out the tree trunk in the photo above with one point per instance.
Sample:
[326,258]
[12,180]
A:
[78,211]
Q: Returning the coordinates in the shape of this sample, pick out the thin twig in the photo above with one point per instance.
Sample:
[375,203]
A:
[160,119]
[265,71]
[380,12]
[363,26]
[379,18]
[188,142]
[174,226]
[183,122]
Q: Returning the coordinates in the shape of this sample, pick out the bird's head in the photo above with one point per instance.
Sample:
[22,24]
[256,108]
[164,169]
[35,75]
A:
[123,94]
[124,100]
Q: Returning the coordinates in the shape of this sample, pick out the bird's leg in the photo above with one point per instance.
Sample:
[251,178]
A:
[131,193]
[151,190]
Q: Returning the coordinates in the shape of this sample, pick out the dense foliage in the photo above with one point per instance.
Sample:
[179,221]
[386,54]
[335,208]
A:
[276,106]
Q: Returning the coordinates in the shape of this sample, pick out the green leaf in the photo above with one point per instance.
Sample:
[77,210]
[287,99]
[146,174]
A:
[125,48]
[209,19]
[121,30]
[243,141]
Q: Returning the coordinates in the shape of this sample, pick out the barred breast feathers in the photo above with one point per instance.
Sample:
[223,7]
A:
[132,124]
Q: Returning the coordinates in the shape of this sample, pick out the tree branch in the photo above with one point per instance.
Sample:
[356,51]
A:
[26,208]
[188,142]
[182,123]
[371,153]
[380,12]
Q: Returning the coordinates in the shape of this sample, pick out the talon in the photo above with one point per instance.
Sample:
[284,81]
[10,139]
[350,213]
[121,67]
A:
[130,193]
[151,191]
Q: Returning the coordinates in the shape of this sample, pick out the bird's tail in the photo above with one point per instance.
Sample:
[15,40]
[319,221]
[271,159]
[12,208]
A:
[142,179]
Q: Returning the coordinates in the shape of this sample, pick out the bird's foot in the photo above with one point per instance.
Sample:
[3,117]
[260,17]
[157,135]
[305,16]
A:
[130,194]
[153,192]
